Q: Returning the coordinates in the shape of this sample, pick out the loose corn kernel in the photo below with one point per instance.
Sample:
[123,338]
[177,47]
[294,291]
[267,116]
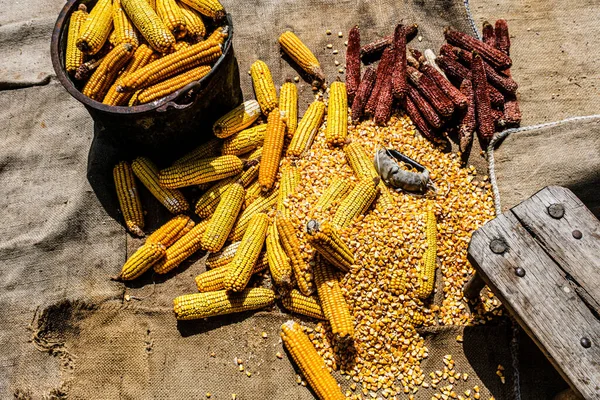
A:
[272,148]
[96,28]
[337,115]
[129,199]
[288,105]
[297,51]
[74,56]
[307,129]
[200,171]
[298,303]
[209,304]
[223,220]
[237,119]
[142,260]
[264,88]
[147,173]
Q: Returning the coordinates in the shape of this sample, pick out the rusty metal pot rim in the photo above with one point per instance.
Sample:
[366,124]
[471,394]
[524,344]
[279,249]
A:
[159,105]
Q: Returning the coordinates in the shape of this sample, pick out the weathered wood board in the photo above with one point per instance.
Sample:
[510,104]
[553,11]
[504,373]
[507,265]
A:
[548,276]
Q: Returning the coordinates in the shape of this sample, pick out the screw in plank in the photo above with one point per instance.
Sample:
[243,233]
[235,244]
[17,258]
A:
[577,234]
[556,211]
[498,246]
[585,342]
[520,272]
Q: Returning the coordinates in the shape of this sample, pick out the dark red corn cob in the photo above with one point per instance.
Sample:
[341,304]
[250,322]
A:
[431,92]
[467,123]
[502,37]
[499,121]
[379,45]
[512,113]
[353,63]
[384,102]
[447,50]
[383,72]
[457,98]
[492,55]
[363,93]
[426,110]
[417,119]
[399,68]
[496,79]
[483,108]
[417,55]
[489,37]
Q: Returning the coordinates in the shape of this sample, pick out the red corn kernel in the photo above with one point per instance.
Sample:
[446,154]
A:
[495,57]
[363,93]
[455,95]
[431,92]
[383,71]
[467,122]
[353,63]
[399,68]
[483,108]
[417,119]
[502,37]
[426,110]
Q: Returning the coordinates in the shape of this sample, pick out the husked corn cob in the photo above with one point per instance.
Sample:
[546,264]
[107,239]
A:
[291,245]
[142,56]
[415,318]
[183,248]
[180,46]
[335,193]
[310,362]
[263,203]
[171,85]
[357,202]
[211,148]
[112,38]
[279,263]
[149,24]
[240,269]
[264,88]
[245,141]
[147,173]
[142,260]
[210,8]
[203,305]
[429,263]
[337,115]
[74,56]
[307,129]
[170,14]
[171,231]
[328,243]
[129,199]
[200,171]
[223,256]
[96,28]
[208,202]
[196,30]
[124,30]
[106,73]
[298,303]
[272,148]
[224,218]
[290,177]
[214,279]
[353,63]
[237,119]
[253,155]
[397,285]
[332,300]
[252,193]
[84,71]
[152,4]
[297,51]
[288,105]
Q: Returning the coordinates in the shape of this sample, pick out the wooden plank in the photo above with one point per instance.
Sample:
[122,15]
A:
[580,258]
[542,301]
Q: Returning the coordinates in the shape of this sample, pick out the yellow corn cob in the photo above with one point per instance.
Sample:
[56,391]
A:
[241,266]
[106,73]
[171,64]
[336,130]
[171,231]
[222,257]
[245,141]
[183,248]
[219,35]
[133,99]
[152,4]
[264,88]
[196,30]
[124,30]
[279,263]
[307,129]
[129,199]
[142,260]
[356,203]
[96,28]
[298,303]
[310,363]
[291,245]
[288,105]
[263,203]
[429,261]
[214,279]
[210,8]
[253,155]
[168,86]
[170,14]
[237,119]
[180,46]
[147,173]
[252,193]
[272,148]
[203,305]
[332,300]
[112,38]
[335,193]
[149,24]
[415,318]
[200,171]
[290,177]
[327,242]
[205,150]
[297,51]
[224,218]
[397,285]
[74,56]
[249,175]
[142,56]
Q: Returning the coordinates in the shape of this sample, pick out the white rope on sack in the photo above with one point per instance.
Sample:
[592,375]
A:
[471,20]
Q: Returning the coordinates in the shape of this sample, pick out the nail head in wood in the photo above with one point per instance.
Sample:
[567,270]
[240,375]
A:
[585,342]
[520,272]
[556,211]
[577,234]
[498,246]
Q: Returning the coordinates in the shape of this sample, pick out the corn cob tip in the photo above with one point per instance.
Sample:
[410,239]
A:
[82,7]
[376,180]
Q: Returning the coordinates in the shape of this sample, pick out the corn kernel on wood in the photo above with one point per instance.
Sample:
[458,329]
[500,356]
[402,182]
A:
[272,149]
[264,88]
[307,129]
[96,28]
[223,220]
[337,115]
[200,171]
[149,24]
[129,199]
[297,51]
[147,173]
[288,105]
[210,304]
[237,119]
[74,56]
[298,303]
[245,141]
